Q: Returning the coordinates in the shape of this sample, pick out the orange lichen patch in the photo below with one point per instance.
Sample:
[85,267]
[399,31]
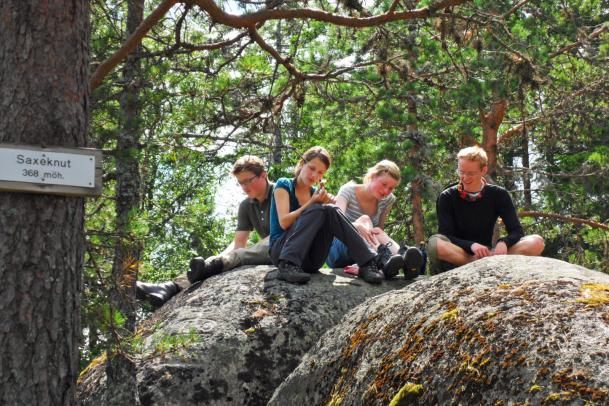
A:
[346,364]
[576,382]
[504,286]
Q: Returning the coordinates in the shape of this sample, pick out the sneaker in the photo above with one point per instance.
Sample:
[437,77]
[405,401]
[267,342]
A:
[201,269]
[388,262]
[413,261]
[156,293]
[292,273]
[370,273]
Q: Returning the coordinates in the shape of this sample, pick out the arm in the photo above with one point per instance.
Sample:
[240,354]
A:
[282,203]
[341,203]
[384,215]
[240,241]
[508,214]
[241,238]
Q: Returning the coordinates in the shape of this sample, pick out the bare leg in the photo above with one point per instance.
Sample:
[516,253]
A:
[383,238]
[367,223]
[531,245]
[453,254]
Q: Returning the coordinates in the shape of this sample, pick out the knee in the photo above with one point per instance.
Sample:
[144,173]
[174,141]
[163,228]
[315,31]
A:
[537,244]
[365,219]
[436,245]
[313,208]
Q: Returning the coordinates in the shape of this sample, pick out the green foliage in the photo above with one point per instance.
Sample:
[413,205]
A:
[416,97]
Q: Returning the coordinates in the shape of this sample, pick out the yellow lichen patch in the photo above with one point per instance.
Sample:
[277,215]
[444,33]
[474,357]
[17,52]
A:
[450,314]
[594,294]
[504,286]
[552,397]
[489,315]
[95,362]
[407,394]
[534,388]
[593,298]
[595,286]
[335,401]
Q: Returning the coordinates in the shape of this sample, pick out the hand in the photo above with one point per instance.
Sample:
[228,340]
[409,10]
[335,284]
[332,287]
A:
[322,196]
[365,232]
[500,248]
[480,251]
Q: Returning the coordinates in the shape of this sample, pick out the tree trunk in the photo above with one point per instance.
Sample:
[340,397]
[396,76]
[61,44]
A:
[44,100]
[416,160]
[526,175]
[277,135]
[490,126]
[127,251]
[416,186]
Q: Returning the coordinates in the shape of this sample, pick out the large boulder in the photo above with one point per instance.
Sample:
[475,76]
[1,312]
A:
[504,330]
[233,338]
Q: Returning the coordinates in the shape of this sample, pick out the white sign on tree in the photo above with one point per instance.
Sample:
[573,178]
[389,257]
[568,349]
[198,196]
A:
[62,171]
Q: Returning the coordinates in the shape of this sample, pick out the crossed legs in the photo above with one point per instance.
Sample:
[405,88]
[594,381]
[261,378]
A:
[442,250]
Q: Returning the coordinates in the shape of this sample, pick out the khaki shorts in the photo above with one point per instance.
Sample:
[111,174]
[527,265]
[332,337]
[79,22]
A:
[432,253]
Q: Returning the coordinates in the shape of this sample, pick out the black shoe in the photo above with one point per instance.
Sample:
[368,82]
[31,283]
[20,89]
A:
[292,273]
[413,260]
[197,269]
[201,269]
[156,293]
[370,273]
[388,262]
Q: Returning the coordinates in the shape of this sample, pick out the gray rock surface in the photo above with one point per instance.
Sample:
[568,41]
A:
[500,331]
[234,338]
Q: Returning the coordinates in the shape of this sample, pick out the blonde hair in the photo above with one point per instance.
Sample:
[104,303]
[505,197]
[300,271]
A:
[385,166]
[250,163]
[314,152]
[474,153]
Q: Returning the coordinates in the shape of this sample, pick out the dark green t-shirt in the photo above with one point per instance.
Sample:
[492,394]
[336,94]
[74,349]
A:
[255,216]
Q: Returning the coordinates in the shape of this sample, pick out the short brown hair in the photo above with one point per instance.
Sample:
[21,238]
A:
[314,152]
[474,153]
[250,163]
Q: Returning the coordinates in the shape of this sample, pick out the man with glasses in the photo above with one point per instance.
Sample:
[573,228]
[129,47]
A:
[467,213]
[253,212]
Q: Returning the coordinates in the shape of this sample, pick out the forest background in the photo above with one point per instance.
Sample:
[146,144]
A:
[527,80]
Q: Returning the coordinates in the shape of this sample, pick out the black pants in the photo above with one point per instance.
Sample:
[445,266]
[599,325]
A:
[307,242]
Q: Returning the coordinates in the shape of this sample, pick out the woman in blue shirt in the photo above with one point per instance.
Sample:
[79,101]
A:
[303,224]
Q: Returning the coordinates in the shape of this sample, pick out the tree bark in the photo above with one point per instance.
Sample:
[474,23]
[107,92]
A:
[127,249]
[526,175]
[490,126]
[416,186]
[44,100]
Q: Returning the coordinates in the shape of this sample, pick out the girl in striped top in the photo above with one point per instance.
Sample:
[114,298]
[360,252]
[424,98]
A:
[367,206]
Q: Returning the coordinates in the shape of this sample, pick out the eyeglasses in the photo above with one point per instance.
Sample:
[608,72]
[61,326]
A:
[467,174]
[248,181]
